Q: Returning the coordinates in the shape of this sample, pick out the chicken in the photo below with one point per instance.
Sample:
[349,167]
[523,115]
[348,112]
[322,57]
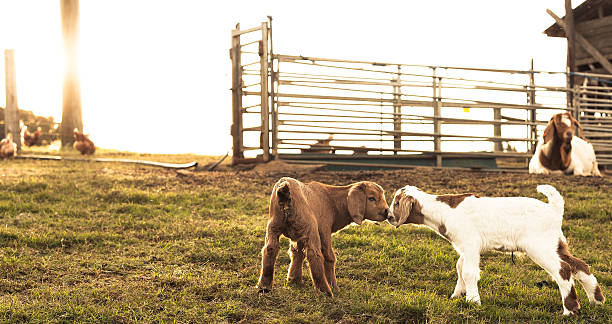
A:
[31,139]
[7,147]
[83,144]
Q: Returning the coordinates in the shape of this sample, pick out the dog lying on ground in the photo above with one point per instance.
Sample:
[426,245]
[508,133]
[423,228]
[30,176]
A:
[473,224]
[308,214]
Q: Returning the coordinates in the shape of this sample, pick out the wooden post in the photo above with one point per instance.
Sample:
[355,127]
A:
[71,101]
[265,111]
[531,101]
[273,104]
[571,46]
[397,112]
[497,147]
[436,121]
[576,102]
[236,131]
[11,113]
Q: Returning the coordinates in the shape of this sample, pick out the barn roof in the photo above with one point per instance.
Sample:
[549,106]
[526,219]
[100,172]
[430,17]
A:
[588,10]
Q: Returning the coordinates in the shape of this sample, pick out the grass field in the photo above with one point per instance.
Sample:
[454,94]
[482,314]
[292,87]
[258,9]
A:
[104,242]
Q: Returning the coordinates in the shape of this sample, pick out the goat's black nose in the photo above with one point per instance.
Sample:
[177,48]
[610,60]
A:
[569,134]
[386,212]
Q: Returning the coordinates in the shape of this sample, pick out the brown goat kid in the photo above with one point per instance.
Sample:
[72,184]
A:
[308,214]
[83,144]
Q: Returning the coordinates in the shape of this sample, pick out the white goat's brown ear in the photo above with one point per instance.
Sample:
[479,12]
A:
[549,131]
[579,130]
[356,203]
[406,205]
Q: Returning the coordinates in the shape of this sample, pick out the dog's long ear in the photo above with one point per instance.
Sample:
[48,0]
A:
[579,130]
[549,131]
[406,205]
[356,202]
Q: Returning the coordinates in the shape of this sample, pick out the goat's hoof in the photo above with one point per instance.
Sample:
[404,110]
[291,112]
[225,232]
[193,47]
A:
[264,289]
[327,293]
[295,281]
[475,301]
[570,313]
[457,295]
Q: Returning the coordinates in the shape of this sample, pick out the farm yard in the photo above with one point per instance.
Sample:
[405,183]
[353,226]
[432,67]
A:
[108,242]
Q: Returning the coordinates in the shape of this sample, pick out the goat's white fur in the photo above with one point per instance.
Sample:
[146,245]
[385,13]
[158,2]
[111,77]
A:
[506,224]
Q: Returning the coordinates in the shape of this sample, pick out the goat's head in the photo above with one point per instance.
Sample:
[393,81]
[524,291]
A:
[405,208]
[366,200]
[563,127]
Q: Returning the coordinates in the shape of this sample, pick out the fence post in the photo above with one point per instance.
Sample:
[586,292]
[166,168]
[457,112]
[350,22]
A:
[497,147]
[273,104]
[265,111]
[531,101]
[397,113]
[236,131]
[436,121]
[576,102]
[11,115]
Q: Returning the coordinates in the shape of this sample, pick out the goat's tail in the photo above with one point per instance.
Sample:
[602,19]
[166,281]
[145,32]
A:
[554,197]
[282,191]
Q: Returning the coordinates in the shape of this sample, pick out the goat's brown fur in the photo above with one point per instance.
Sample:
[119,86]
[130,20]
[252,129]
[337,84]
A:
[308,214]
[454,200]
[409,208]
[559,135]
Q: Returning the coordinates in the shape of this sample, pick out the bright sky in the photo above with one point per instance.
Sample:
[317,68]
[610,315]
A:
[155,75]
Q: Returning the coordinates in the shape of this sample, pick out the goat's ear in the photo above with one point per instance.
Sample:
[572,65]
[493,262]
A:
[406,204]
[549,131]
[579,130]
[356,202]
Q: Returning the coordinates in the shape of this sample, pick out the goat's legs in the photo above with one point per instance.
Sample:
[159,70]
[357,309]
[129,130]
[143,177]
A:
[460,287]
[580,271]
[590,286]
[296,252]
[269,251]
[470,273]
[330,261]
[315,262]
[560,272]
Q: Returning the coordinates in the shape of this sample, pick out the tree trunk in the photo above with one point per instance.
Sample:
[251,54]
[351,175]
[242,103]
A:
[71,102]
[11,113]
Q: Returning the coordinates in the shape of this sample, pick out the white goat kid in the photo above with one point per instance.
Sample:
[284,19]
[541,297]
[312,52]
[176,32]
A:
[473,224]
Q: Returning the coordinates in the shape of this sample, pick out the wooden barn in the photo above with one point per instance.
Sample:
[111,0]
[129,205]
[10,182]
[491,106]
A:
[592,29]
[588,29]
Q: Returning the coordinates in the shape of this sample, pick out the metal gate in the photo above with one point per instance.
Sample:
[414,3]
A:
[323,109]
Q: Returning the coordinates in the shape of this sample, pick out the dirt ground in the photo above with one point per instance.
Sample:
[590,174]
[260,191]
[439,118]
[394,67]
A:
[442,181]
